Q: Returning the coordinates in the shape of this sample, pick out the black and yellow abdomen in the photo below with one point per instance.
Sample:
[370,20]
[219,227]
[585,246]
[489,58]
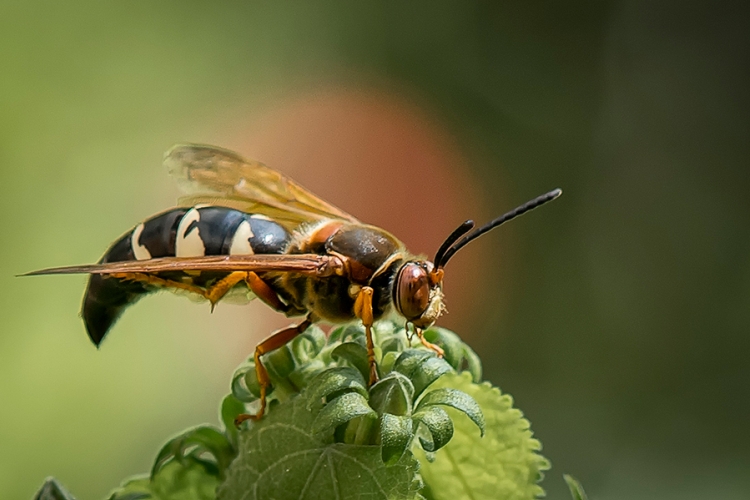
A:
[180,232]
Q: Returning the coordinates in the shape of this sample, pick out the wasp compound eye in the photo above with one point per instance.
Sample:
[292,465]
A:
[412,290]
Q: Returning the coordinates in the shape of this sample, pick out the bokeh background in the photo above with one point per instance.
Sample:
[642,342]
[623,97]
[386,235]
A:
[618,316]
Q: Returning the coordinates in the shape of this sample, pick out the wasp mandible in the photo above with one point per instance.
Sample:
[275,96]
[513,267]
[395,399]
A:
[246,229]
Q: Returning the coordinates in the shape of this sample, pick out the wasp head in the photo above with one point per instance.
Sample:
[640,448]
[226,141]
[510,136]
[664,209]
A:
[418,293]
[418,290]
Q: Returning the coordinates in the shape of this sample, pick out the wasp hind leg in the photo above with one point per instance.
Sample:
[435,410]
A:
[214,293]
[276,340]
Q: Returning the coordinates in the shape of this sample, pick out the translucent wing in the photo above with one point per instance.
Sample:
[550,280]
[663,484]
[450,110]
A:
[208,174]
[310,264]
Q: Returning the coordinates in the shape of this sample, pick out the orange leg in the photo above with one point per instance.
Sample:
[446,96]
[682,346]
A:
[215,292]
[276,340]
[429,345]
[363,310]
[151,279]
[260,288]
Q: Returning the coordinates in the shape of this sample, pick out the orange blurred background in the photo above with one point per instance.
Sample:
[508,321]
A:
[617,316]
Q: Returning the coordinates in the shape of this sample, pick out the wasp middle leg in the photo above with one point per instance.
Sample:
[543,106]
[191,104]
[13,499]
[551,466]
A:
[215,292]
[260,288]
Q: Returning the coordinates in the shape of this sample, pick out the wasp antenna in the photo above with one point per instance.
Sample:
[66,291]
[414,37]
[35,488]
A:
[464,228]
[529,205]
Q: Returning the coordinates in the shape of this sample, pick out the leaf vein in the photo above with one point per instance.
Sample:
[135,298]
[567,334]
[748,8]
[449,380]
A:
[310,477]
[365,467]
[459,473]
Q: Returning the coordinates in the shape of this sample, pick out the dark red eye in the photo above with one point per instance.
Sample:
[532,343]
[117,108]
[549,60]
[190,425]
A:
[412,290]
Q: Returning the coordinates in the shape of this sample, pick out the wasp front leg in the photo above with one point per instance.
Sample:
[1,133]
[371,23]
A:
[363,311]
[429,345]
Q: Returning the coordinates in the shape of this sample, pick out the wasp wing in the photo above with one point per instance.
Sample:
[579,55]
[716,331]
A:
[208,174]
[312,264]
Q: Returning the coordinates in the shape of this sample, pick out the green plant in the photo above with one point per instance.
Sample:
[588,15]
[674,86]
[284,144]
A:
[428,429]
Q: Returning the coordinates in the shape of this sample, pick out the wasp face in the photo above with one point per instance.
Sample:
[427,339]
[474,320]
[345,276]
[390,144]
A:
[418,294]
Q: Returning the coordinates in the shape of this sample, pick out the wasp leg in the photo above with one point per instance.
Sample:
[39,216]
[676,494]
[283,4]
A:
[429,345]
[363,310]
[151,279]
[215,292]
[276,340]
[260,288]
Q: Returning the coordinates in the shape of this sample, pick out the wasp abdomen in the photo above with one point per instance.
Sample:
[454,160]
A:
[181,232]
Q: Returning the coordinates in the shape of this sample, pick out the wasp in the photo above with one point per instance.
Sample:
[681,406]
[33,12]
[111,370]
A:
[245,230]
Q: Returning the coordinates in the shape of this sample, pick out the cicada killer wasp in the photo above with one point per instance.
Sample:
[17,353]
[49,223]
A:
[244,227]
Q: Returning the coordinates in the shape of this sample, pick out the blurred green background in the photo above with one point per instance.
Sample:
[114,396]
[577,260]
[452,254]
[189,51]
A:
[618,316]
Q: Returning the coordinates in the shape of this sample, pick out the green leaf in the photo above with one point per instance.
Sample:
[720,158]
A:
[354,354]
[455,399]
[392,394]
[439,425]
[279,363]
[175,481]
[502,464]
[459,355]
[231,407]
[348,333]
[194,444]
[53,490]
[576,490]
[245,386]
[389,337]
[432,369]
[387,362]
[409,360]
[395,433]
[422,367]
[306,372]
[282,458]
[309,344]
[340,411]
[332,381]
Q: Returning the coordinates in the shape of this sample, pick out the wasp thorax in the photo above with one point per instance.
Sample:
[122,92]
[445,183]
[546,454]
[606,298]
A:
[415,296]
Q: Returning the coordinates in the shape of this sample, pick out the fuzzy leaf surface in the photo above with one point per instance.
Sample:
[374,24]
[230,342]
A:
[438,424]
[53,490]
[281,458]
[456,399]
[395,435]
[188,480]
[339,379]
[341,410]
[576,490]
[504,464]
[200,440]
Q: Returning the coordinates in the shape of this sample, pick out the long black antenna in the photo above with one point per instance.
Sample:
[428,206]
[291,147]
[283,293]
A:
[461,230]
[529,205]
